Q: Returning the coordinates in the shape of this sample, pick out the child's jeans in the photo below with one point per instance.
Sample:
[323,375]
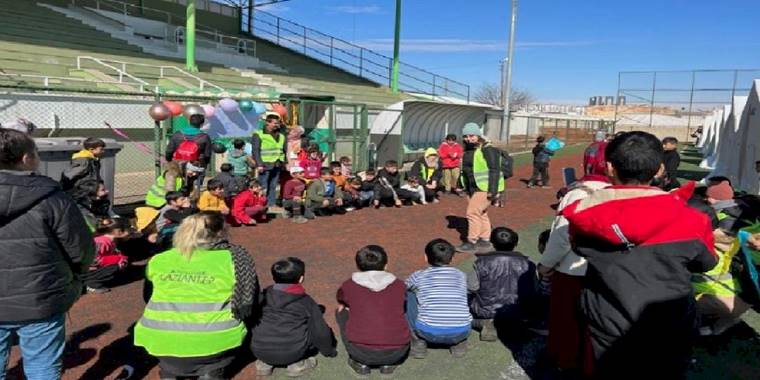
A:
[540,169]
[442,339]
[293,206]
[41,344]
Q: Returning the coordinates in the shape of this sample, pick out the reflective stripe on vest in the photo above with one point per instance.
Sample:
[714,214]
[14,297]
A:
[718,281]
[156,196]
[189,313]
[271,150]
[480,172]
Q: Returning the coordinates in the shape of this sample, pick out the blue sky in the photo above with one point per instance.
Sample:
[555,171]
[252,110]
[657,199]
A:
[567,50]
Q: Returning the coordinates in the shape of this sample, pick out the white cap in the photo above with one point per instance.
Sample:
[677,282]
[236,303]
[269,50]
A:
[296,169]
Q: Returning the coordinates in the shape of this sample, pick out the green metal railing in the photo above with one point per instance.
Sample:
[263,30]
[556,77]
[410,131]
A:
[352,58]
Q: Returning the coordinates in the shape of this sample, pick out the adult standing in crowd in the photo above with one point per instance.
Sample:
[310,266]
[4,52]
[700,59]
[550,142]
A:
[483,181]
[44,247]
[269,152]
[451,154]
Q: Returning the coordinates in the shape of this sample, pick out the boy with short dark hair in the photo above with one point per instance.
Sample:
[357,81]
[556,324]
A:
[337,175]
[292,329]
[323,195]
[345,166]
[501,284]
[371,314]
[232,186]
[671,160]
[85,164]
[642,246]
[293,194]
[541,158]
[213,198]
[177,208]
[240,161]
[436,303]
[387,189]
[250,205]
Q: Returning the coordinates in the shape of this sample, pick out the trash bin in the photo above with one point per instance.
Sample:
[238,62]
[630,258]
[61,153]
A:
[55,157]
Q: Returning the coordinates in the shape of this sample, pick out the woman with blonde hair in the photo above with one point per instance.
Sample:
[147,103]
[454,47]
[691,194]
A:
[198,294]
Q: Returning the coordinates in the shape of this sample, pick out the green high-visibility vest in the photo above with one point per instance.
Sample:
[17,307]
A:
[480,172]
[271,150]
[189,313]
[156,196]
[717,281]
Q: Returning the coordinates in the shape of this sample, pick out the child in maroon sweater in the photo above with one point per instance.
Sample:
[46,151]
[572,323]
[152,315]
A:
[292,194]
[371,315]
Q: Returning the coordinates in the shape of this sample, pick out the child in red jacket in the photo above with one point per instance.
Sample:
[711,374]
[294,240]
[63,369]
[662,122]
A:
[108,260]
[451,154]
[250,205]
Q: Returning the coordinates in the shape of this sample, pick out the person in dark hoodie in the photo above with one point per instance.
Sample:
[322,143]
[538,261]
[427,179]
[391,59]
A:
[642,246]
[232,185]
[429,172]
[541,158]
[85,164]
[371,314]
[387,189]
[501,285]
[44,247]
[671,160]
[483,181]
[292,329]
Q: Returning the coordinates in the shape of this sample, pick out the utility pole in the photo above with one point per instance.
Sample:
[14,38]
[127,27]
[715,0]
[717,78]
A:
[190,38]
[507,84]
[396,38]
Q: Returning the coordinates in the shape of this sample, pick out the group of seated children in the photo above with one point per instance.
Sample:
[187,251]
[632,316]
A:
[383,319]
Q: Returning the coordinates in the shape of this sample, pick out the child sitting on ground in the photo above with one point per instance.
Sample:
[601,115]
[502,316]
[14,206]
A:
[371,314]
[337,175]
[177,208]
[436,303]
[213,198]
[312,164]
[293,194]
[292,329]
[250,205]
[345,166]
[354,196]
[413,186]
[502,284]
[240,161]
[232,185]
[85,164]
[387,190]
[323,196]
[108,259]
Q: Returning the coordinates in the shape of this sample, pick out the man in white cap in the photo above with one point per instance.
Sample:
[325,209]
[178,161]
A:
[483,181]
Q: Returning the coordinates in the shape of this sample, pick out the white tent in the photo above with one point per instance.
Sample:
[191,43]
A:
[727,154]
[712,148]
[750,142]
[706,124]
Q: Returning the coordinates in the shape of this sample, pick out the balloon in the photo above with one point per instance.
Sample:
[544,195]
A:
[259,108]
[246,105]
[174,107]
[218,148]
[159,112]
[228,105]
[193,109]
[280,109]
[209,110]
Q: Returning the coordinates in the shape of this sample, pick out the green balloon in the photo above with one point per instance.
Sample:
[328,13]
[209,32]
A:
[246,105]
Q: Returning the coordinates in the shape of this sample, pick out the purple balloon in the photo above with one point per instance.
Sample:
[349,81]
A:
[228,105]
[208,110]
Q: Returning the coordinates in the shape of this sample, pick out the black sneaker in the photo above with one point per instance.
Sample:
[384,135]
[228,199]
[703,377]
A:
[467,247]
[483,245]
[459,350]
[359,368]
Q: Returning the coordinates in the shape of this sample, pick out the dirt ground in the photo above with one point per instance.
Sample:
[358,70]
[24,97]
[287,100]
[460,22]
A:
[100,345]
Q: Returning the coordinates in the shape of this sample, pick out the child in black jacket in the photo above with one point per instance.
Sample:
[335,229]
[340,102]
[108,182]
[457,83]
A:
[292,329]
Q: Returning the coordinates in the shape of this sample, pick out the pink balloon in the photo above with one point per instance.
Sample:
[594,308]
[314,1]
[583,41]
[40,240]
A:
[208,110]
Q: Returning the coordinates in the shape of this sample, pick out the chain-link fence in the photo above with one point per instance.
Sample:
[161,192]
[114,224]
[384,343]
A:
[525,128]
[339,128]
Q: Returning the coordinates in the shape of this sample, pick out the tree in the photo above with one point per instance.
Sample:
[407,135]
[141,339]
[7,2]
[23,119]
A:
[489,93]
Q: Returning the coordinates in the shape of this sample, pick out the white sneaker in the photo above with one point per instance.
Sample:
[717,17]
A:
[349,209]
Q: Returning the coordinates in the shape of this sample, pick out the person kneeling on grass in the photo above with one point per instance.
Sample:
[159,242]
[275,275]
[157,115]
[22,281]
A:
[371,314]
[323,196]
[436,303]
[292,329]
[250,205]
[502,285]
[108,259]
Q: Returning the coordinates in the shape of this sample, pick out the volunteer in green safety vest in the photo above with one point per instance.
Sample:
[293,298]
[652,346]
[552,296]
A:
[483,181]
[172,179]
[268,148]
[428,170]
[198,296]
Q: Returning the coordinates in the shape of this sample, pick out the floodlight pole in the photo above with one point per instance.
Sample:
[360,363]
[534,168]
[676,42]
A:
[507,91]
[397,36]
[190,38]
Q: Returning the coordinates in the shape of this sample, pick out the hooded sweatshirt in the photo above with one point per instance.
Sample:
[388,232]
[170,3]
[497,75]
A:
[44,246]
[239,161]
[642,246]
[424,171]
[375,300]
[84,166]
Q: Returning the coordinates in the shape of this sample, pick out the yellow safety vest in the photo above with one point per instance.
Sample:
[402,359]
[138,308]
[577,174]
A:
[480,172]
[718,281]
[271,150]
[189,313]
[156,196]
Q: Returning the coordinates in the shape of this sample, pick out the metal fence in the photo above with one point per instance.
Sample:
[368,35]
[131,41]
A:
[673,102]
[572,130]
[340,128]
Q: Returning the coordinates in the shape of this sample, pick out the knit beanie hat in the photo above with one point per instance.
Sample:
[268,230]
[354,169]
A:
[472,129]
[721,191]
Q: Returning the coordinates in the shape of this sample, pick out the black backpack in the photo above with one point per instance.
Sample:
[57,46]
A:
[507,164]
